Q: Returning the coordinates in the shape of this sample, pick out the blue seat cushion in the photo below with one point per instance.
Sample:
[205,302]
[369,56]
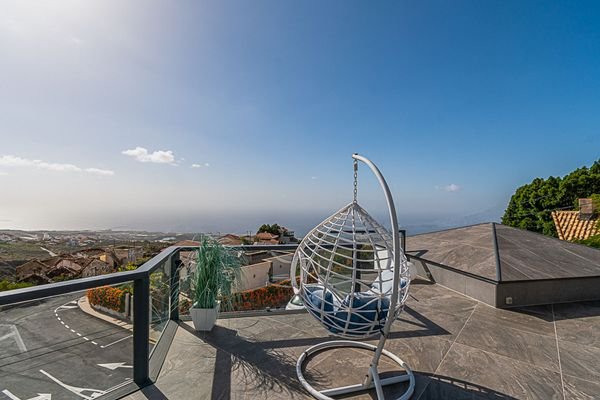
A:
[369,313]
[314,295]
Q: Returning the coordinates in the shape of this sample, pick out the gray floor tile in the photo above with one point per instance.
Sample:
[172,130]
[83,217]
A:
[440,299]
[412,323]
[579,389]
[498,338]
[580,361]
[421,354]
[447,388]
[579,322]
[536,319]
[499,376]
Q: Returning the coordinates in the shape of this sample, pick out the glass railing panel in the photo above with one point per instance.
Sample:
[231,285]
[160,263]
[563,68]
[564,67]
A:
[77,345]
[160,300]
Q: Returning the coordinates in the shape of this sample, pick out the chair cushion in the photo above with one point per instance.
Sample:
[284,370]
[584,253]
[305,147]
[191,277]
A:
[314,296]
[386,283]
[368,313]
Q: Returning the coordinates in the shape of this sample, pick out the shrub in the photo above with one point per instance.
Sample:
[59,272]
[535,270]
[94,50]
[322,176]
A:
[8,285]
[108,297]
[593,241]
[267,297]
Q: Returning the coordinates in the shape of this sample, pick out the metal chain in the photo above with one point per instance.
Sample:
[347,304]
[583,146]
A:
[355,180]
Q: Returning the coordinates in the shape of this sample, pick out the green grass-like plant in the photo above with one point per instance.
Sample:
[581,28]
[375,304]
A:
[217,269]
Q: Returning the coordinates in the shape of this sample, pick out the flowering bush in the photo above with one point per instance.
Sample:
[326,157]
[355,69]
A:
[107,296]
[267,297]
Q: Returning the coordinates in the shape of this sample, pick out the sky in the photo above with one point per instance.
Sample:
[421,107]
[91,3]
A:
[223,115]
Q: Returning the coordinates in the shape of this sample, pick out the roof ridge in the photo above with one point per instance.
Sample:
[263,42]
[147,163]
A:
[552,237]
[454,228]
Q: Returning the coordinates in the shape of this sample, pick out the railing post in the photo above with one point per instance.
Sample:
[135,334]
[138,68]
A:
[141,330]
[174,284]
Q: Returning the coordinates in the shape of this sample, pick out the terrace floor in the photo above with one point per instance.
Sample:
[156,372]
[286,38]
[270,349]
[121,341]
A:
[457,347]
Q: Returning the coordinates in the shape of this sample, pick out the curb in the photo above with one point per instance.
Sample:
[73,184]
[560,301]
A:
[85,306]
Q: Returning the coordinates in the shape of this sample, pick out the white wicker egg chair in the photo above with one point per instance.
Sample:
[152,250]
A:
[350,272]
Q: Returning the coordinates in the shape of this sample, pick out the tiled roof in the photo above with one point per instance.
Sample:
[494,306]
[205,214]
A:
[570,227]
[265,236]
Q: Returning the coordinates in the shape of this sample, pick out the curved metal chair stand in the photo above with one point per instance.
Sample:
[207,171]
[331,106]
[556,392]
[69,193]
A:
[353,277]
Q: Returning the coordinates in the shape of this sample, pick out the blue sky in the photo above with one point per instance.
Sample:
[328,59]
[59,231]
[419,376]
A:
[458,102]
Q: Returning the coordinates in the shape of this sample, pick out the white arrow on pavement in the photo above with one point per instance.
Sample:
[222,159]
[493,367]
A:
[76,390]
[113,366]
[40,396]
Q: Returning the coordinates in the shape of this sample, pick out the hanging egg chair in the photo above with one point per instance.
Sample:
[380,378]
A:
[353,277]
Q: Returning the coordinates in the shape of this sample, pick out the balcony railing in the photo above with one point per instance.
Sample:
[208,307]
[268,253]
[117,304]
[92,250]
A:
[155,316]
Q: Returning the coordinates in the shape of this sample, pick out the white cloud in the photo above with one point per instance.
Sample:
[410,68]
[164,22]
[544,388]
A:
[453,187]
[200,165]
[98,171]
[314,178]
[19,162]
[2,173]
[159,157]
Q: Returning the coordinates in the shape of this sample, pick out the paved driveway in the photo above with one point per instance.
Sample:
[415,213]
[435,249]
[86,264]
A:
[52,349]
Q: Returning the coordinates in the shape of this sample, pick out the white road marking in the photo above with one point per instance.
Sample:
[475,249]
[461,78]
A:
[119,385]
[113,366]
[77,390]
[14,333]
[115,342]
[40,396]
[65,307]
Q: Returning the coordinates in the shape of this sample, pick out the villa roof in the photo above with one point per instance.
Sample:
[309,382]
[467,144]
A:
[265,236]
[570,227]
[39,278]
[502,253]
[230,240]
[32,266]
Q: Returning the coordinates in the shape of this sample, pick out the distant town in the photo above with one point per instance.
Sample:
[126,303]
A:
[40,257]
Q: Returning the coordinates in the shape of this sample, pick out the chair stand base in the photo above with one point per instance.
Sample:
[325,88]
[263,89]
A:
[376,382]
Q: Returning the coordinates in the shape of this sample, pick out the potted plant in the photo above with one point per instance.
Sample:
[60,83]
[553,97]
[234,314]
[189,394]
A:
[212,282]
